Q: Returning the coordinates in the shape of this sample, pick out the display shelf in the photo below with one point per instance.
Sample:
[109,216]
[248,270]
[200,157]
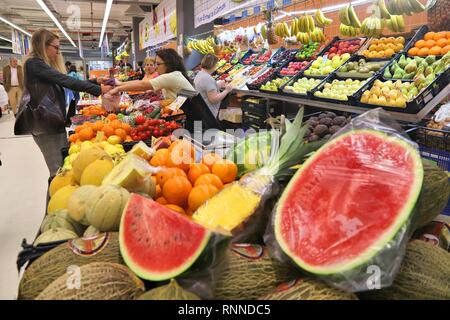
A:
[401,116]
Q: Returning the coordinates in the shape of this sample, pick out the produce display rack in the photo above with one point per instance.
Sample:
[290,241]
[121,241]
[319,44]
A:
[397,115]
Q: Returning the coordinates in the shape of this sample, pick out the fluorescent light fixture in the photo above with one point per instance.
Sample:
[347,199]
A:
[14,26]
[50,14]
[105,21]
[6,39]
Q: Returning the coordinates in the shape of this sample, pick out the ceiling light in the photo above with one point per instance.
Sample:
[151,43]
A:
[14,26]
[6,39]
[105,21]
[50,14]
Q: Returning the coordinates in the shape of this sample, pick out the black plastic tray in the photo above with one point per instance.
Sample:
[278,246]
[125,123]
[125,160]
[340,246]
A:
[292,81]
[283,62]
[412,107]
[337,39]
[357,58]
[331,77]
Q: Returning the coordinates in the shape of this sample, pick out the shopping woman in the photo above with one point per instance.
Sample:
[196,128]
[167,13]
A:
[45,80]
[208,87]
[171,80]
[150,69]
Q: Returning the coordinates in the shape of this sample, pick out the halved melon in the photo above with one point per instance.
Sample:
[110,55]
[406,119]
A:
[348,201]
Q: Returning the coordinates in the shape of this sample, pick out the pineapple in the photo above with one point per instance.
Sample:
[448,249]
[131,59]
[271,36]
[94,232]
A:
[271,37]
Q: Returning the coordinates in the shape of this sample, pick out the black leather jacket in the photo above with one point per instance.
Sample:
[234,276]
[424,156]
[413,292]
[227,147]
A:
[41,80]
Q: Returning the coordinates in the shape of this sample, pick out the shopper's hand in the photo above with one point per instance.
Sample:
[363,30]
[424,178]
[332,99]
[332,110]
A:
[106,89]
[221,84]
[229,87]
[114,91]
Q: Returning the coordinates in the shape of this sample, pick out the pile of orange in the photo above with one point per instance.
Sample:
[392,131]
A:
[93,111]
[384,47]
[110,126]
[184,185]
[432,44]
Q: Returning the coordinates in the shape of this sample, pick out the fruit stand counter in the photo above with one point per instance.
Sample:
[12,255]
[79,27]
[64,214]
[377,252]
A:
[401,116]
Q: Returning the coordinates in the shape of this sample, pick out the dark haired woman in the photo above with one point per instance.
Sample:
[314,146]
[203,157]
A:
[171,80]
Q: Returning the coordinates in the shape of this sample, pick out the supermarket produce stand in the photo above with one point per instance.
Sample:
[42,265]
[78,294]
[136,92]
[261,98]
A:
[401,116]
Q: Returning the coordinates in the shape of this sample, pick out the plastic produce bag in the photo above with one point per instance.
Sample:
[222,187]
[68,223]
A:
[111,103]
[346,214]
[238,209]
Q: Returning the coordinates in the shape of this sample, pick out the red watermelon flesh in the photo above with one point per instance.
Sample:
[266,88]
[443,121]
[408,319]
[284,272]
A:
[158,243]
[348,201]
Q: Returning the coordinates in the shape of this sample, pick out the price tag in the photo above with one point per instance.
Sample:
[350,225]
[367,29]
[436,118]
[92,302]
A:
[176,105]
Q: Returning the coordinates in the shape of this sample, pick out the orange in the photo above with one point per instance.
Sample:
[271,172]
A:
[200,194]
[108,130]
[159,158]
[448,35]
[381,54]
[161,200]
[225,169]
[121,133]
[413,51]
[445,49]
[86,134]
[98,125]
[167,173]
[210,158]
[182,146]
[429,36]
[389,52]
[128,139]
[365,53]
[111,116]
[176,208]
[439,35]
[73,137]
[79,128]
[196,170]
[435,51]
[209,178]
[442,42]
[126,127]
[375,41]
[430,44]
[420,44]
[181,160]
[423,52]
[176,190]
[116,124]
[158,191]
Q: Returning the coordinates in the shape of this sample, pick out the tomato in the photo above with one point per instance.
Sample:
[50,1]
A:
[139,119]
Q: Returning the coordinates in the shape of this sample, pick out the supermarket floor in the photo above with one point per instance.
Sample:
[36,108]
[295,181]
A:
[23,183]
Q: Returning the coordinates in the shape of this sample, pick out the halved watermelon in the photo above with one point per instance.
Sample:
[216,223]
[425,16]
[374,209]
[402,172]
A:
[158,243]
[348,201]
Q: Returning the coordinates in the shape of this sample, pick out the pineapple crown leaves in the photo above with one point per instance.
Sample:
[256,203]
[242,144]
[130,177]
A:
[292,148]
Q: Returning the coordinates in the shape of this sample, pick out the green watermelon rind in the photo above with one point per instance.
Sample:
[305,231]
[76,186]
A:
[375,248]
[158,276]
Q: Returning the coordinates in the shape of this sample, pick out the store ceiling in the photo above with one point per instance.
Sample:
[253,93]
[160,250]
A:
[28,15]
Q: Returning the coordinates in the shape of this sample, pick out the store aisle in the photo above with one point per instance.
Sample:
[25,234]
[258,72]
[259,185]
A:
[23,183]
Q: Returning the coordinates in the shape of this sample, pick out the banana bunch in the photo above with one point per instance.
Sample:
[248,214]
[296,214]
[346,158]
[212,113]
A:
[348,31]
[396,23]
[295,26]
[317,35]
[303,37]
[202,46]
[321,20]
[282,30]
[382,11]
[372,26]
[408,7]
[307,24]
[347,16]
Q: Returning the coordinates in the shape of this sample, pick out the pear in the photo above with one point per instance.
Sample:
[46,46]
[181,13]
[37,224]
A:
[402,62]
[411,67]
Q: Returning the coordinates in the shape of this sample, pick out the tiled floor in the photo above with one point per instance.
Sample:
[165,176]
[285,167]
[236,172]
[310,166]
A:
[23,183]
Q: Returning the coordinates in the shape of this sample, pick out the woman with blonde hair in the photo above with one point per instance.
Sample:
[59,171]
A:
[42,111]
